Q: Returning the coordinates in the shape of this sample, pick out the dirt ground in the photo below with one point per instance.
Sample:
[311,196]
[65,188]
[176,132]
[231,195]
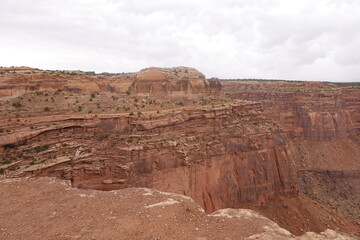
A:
[48,208]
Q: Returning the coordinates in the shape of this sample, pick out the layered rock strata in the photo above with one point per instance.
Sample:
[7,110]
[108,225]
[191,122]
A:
[220,156]
[319,115]
[171,82]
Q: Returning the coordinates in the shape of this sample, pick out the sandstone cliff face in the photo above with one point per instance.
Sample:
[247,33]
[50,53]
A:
[176,82]
[13,85]
[143,130]
[170,81]
[221,157]
[311,115]
[322,120]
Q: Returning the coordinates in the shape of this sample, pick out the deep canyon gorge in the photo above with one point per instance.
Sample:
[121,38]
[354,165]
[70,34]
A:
[288,150]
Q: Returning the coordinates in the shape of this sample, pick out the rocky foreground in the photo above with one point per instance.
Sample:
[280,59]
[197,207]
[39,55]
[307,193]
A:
[48,208]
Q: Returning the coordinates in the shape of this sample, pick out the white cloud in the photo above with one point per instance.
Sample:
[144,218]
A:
[285,39]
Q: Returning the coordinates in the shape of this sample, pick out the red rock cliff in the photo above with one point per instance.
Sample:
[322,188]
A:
[310,115]
[221,157]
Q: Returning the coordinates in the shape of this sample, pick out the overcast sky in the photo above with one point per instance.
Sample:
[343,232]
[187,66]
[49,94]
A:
[282,39]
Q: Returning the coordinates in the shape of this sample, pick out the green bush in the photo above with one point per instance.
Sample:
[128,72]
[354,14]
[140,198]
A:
[13,168]
[17,104]
[41,148]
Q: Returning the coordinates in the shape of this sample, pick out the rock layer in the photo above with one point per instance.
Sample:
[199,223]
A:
[175,82]
[48,208]
[221,157]
[179,81]
[310,115]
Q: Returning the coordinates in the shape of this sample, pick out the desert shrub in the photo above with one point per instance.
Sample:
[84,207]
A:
[33,160]
[17,104]
[102,137]
[6,161]
[41,148]
[13,168]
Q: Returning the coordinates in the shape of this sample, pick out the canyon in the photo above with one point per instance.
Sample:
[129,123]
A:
[322,121]
[289,150]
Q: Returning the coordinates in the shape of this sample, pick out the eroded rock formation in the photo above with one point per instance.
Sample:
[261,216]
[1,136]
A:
[175,82]
[221,157]
[179,81]
[58,212]
[322,121]
[313,114]
[175,131]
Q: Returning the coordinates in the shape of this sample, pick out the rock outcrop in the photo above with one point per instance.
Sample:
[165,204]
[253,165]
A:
[221,157]
[314,115]
[179,81]
[322,121]
[172,82]
[48,208]
[175,131]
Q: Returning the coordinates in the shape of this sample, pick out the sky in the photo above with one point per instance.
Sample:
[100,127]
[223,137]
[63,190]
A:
[272,39]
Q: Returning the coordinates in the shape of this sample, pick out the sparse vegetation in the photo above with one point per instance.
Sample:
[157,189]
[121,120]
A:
[17,104]
[13,168]
[41,148]
[88,150]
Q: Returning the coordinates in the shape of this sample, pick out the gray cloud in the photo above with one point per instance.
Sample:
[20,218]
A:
[284,39]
